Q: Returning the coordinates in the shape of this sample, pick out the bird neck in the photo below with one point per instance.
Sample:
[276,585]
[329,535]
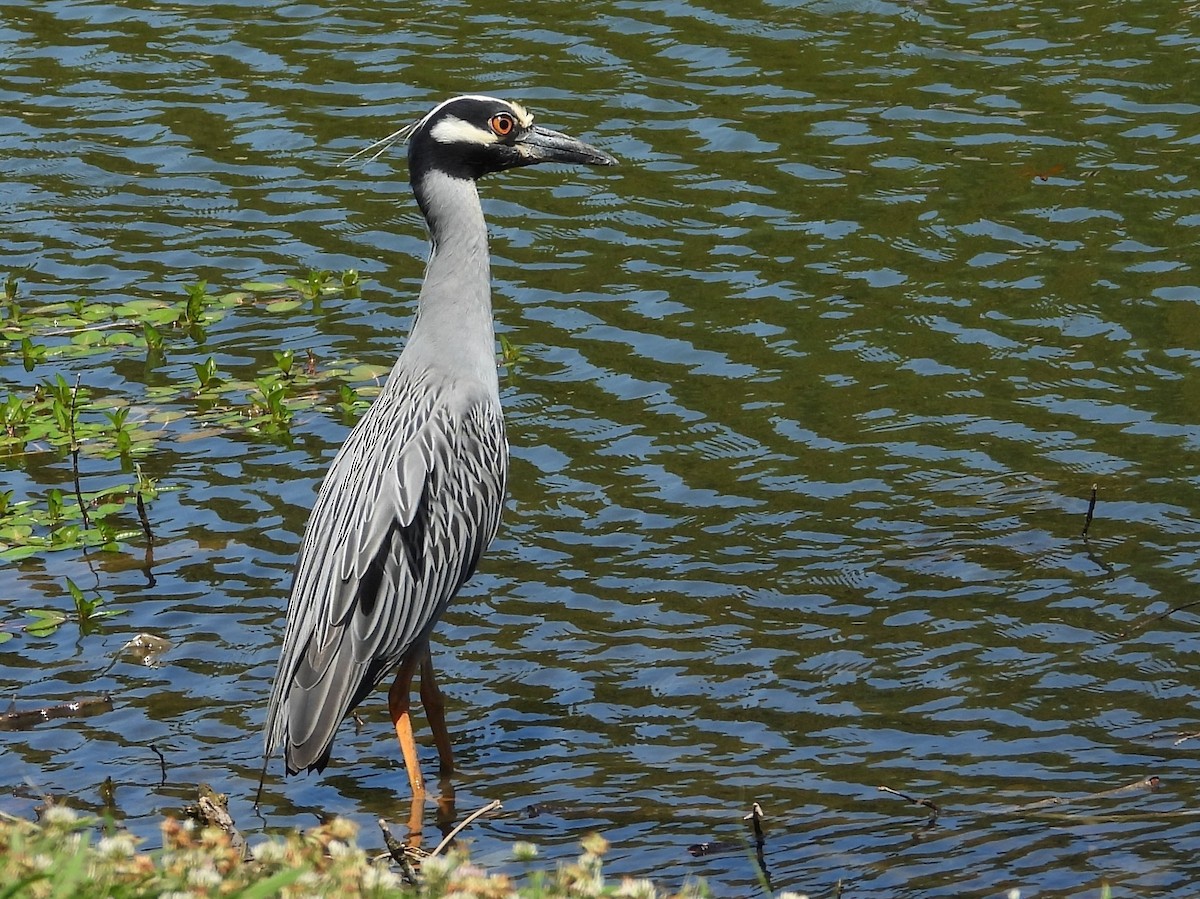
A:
[453,329]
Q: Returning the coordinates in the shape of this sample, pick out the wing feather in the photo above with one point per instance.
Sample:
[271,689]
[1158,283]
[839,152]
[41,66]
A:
[410,503]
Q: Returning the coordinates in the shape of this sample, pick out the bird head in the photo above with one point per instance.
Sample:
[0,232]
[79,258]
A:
[472,136]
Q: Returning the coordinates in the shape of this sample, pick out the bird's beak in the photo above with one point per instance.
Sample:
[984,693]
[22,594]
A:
[543,145]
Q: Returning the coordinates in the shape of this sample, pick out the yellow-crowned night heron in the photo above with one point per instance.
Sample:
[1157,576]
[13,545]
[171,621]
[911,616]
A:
[413,497]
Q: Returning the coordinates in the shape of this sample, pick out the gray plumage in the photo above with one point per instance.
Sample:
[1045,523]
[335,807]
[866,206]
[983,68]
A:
[414,496]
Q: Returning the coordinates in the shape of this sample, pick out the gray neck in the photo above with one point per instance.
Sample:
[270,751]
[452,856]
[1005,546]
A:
[453,330]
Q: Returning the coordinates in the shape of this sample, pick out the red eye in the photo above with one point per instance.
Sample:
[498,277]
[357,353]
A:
[502,124]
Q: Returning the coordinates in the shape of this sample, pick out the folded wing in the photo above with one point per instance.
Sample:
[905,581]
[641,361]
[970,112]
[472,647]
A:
[392,537]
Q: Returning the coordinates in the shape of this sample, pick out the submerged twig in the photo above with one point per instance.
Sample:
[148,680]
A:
[144,518]
[75,456]
[713,847]
[1145,783]
[755,817]
[1087,522]
[162,763]
[490,807]
[124,324]
[78,708]
[1144,622]
[926,803]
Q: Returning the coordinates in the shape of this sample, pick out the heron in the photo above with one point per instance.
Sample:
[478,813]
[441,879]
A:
[413,497]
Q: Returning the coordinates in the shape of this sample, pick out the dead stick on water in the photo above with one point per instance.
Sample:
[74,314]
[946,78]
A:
[1138,625]
[1146,783]
[1087,521]
[145,519]
[75,456]
[760,842]
[162,763]
[756,815]
[126,324]
[490,807]
[929,804]
[76,708]
[399,853]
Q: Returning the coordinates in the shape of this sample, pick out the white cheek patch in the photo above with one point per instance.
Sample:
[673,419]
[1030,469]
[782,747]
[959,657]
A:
[453,130]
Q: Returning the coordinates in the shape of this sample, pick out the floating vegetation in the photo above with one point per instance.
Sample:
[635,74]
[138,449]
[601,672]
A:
[30,527]
[54,416]
[101,438]
[87,613]
[69,329]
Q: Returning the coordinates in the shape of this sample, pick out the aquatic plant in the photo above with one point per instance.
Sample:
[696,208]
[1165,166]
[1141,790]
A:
[57,416]
[87,613]
[102,437]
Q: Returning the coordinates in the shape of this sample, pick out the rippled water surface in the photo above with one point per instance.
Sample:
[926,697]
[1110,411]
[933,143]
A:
[818,384]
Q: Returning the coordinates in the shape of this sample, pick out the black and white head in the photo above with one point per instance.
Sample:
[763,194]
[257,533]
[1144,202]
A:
[472,136]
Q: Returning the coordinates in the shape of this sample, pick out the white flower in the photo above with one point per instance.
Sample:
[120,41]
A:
[58,814]
[378,877]
[271,852]
[636,889]
[121,845]
[436,867]
[524,852]
[206,877]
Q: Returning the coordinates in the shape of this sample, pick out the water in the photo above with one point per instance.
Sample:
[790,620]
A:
[818,384]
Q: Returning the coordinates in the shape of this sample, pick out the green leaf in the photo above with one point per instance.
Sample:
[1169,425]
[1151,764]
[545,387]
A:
[46,623]
[153,336]
[206,372]
[120,339]
[20,553]
[76,593]
[88,338]
[367,372]
[15,533]
[264,286]
[283,305]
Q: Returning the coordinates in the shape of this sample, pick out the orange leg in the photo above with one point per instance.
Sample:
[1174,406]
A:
[398,705]
[435,711]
